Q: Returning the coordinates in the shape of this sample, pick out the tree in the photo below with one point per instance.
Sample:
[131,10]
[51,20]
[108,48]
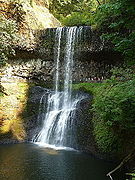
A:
[115,19]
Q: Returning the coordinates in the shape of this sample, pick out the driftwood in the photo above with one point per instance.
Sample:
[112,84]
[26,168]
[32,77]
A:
[124,161]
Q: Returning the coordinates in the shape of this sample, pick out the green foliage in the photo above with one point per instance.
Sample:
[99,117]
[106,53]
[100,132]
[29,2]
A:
[114,109]
[106,139]
[8,36]
[116,105]
[62,7]
[77,18]
[70,13]
[115,20]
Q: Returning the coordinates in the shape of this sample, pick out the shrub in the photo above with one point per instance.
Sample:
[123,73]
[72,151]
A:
[113,110]
[77,18]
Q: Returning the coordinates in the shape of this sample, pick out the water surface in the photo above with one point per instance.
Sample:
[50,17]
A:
[31,162]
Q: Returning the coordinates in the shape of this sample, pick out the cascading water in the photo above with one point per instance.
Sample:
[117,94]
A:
[57,127]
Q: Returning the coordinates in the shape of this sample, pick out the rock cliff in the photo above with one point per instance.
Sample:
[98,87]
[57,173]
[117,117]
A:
[34,66]
[30,16]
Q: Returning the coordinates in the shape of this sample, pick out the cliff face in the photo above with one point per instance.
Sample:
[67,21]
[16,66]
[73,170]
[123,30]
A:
[37,15]
[30,16]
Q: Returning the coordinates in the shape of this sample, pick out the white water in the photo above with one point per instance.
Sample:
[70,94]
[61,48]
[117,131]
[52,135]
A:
[57,128]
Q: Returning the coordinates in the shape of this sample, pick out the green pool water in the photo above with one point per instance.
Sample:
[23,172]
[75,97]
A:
[31,162]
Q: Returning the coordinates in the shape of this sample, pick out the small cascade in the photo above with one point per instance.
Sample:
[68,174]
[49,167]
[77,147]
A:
[58,121]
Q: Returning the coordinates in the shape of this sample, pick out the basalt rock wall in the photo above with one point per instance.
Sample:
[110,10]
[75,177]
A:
[93,58]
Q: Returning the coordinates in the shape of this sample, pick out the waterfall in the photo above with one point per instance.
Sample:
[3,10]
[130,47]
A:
[57,127]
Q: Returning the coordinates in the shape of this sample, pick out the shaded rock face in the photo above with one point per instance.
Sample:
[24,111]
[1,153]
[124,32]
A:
[41,70]
[35,69]
[89,41]
[34,114]
[82,123]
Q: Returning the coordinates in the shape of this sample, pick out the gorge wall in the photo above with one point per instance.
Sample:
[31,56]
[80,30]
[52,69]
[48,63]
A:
[35,66]
[93,58]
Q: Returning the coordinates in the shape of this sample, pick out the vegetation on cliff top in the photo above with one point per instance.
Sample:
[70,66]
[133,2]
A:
[114,19]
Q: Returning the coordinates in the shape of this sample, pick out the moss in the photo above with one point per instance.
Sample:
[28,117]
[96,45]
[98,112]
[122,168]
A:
[91,88]
[1,90]
[105,138]
[1,94]
[18,129]
[30,109]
